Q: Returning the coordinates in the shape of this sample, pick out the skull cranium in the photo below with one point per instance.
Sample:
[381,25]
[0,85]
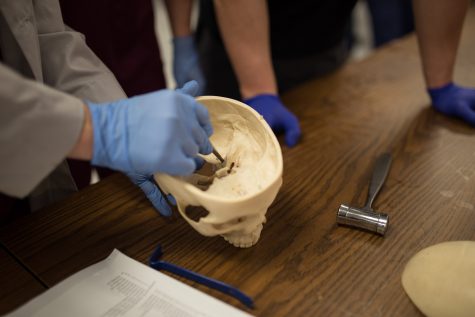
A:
[236,194]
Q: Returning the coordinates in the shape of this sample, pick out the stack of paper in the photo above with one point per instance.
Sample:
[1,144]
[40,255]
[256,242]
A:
[121,286]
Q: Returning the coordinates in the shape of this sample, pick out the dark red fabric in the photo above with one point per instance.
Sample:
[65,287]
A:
[81,172]
[122,34]
[12,208]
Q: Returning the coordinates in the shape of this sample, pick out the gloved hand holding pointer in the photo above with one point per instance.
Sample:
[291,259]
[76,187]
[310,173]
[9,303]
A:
[162,131]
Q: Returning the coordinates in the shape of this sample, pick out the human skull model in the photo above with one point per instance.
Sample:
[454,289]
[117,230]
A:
[235,195]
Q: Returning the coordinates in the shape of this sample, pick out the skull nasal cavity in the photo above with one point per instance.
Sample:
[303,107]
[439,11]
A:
[196,212]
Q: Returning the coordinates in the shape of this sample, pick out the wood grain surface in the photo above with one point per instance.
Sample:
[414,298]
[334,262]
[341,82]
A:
[304,263]
[17,284]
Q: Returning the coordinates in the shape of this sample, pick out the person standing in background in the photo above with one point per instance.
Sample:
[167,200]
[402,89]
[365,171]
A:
[186,63]
[390,19]
[257,49]
[439,27]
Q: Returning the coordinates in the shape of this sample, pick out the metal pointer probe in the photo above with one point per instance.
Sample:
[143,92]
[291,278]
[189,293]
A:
[220,158]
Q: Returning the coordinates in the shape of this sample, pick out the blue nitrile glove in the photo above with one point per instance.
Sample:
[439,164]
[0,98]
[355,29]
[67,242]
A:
[279,118]
[162,131]
[186,64]
[149,187]
[454,101]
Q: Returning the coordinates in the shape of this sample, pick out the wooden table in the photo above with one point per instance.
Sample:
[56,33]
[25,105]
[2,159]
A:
[17,284]
[304,264]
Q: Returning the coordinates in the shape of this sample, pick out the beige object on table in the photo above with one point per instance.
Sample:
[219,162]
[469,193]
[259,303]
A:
[440,279]
[233,196]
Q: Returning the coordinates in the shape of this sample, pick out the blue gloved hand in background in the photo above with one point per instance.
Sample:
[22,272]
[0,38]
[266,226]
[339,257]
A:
[162,131]
[279,118]
[186,64]
[455,101]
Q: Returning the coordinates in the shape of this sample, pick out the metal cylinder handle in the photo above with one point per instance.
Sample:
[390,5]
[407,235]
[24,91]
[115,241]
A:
[364,219]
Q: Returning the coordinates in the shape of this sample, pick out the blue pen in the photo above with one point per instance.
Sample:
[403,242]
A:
[158,264]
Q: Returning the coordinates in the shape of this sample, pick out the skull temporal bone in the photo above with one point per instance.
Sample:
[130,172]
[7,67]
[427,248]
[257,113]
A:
[237,201]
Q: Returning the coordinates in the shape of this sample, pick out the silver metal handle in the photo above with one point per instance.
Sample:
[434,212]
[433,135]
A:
[364,219]
[381,170]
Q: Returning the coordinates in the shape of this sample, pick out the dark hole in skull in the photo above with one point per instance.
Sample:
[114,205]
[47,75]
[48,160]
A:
[207,169]
[196,212]
[211,171]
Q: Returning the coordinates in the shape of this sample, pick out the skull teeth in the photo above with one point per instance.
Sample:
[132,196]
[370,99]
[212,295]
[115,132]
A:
[244,240]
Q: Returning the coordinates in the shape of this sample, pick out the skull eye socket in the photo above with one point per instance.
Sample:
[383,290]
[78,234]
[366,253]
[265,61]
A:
[196,212]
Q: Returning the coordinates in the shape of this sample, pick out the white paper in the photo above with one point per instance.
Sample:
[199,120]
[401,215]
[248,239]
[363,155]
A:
[121,286]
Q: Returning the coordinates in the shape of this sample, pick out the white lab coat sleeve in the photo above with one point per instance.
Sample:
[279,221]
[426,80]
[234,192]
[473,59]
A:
[38,128]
